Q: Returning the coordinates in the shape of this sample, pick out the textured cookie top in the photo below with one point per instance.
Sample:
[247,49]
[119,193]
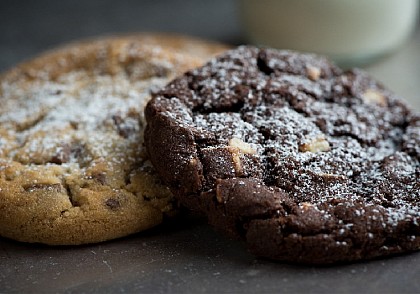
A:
[336,143]
[72,165]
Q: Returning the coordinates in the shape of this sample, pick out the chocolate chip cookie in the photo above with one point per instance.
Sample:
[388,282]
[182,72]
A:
[72,166]
[306,162]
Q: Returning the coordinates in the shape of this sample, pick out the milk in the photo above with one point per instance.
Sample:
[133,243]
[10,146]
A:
[351,32]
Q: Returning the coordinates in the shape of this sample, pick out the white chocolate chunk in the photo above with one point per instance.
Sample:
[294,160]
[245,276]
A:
[319,144]
[374,97]
[243,147]
[313,72]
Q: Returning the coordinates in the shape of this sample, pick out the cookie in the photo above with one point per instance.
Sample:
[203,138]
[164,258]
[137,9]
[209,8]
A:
[304,161]
[72,166]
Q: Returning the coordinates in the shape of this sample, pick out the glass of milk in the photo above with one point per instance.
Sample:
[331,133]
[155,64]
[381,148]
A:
[351,32]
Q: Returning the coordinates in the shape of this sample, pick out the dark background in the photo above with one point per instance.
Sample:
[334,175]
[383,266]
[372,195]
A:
[187,256]
[30,27]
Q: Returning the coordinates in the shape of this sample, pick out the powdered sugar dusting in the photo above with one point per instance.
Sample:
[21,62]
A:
[84,115]
[318,140]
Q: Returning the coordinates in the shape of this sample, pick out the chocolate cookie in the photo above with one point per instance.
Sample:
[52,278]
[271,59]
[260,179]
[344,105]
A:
[72,169]
[307,163]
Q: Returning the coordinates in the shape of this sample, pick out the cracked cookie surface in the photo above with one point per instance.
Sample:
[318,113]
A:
[306,162]
[72,166]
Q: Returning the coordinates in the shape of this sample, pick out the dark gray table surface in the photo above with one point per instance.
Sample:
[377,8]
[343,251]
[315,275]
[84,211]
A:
[187,255]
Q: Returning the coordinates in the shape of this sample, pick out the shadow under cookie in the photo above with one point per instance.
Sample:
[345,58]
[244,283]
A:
[304,161]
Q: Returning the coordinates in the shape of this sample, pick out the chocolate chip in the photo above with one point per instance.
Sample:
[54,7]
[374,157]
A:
[62,154]
[74,125]
[117,119]
[112,203]
[99,177]
[124,127]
